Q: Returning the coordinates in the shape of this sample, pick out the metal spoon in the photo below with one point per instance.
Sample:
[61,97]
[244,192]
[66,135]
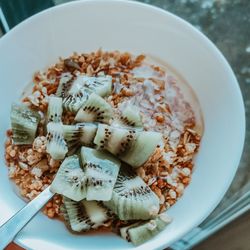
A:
[11,227]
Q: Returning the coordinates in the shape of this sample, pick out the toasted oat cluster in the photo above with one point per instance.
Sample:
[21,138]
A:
[163,109]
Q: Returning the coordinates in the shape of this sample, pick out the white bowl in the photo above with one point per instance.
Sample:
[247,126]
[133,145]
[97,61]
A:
[138,28]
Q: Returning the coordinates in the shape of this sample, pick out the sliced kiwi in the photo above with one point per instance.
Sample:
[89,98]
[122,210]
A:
[139,233]
[132,146]
[64,214]
[100,85]
[78,219]
[77,92]
[130,116]
[124,230]
[143,148]
[56,145]
[95,109]
[72,135]
[65,84]
[24,123]
[70,179]
[73,101]
[132,199]
[97,213]
[55,110]
[115,140]
[80,133]
[85,215]
[89,132]
[101,171]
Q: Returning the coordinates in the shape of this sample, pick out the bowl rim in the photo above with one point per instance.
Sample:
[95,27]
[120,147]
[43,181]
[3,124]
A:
[206,40]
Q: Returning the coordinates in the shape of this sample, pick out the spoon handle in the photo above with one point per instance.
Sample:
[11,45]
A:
[11,227]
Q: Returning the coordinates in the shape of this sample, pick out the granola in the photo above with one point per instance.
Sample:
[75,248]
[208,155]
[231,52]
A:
[163,109]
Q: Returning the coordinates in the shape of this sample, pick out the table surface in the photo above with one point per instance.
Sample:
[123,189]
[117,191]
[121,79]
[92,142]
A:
[226,23]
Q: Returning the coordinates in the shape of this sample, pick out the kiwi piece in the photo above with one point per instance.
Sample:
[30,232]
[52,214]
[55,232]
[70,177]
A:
[101,171]
[142,149]
[24,123]
[72,135]
[77,93]
[64,214]
[101,85]
[132,146]
[97,213]
[77,216]
[132,199]
[89,132]
[115,140]
[56,145]
[85,215]
[73,101]
[55,110]
[70,179]
[130,116]
[124,230]
[139,233]
[80,134]
[95,109]
[65,84]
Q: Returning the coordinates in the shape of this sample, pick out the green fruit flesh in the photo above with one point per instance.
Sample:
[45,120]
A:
[101,173]
[131,146]
[56,146]
[85,215]
[130,116]
[132,199]
[70,179]
[54,113]
[24,123]
[139,234]
[95,109]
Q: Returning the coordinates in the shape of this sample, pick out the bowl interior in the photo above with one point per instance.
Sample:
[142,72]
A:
[137,28]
